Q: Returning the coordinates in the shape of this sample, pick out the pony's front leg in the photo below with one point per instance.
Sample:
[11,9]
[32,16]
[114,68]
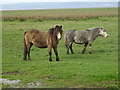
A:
[50,52]
[71,48]
[85,46]
[56,53]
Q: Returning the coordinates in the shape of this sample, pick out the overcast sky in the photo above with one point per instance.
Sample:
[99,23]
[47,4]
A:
[21,1]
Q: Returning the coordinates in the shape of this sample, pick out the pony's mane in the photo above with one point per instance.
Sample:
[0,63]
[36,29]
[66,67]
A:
[95,28]
[92,29]
[51,31]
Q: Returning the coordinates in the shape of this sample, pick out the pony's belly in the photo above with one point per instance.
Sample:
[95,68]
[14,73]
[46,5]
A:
[40,44]
[79,41]
[43,47]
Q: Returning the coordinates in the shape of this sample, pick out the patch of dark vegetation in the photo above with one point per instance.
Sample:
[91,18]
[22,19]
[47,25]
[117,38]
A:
[21,30]
[11,72]
[41,19]
[102,51]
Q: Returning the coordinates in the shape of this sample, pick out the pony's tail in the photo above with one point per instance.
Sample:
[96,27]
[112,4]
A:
[25,47]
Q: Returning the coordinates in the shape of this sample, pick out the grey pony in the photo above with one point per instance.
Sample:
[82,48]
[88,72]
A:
[85,37]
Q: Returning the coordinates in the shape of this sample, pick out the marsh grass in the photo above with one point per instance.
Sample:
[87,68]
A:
[58,14]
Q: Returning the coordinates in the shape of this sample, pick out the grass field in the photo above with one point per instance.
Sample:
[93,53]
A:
[97,70]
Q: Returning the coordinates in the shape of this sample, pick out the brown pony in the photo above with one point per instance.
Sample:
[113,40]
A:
[42,39]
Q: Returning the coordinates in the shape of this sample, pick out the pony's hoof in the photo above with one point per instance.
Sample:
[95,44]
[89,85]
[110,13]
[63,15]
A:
[90,52]
[29,59]
[72,52]
[83,52]
[67,53]
[24,59]
[57,59]
[50,60]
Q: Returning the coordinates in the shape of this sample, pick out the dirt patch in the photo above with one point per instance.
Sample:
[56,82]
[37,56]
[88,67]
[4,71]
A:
[9,82]
[17,84]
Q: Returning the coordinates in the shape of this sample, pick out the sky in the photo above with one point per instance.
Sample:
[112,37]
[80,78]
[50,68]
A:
[25,1]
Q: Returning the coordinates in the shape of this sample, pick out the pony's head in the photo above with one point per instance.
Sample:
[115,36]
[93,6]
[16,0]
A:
[102,32]
[58,31]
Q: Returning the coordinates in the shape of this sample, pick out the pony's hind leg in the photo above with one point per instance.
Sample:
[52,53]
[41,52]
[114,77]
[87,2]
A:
[25,54]
[68,47]
[25,50]
[30,45]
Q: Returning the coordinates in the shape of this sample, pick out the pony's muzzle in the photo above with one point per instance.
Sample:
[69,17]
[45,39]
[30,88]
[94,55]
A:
[106,35]
[59,36]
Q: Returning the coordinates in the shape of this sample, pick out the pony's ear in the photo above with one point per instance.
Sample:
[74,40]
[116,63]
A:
[61,26]
[87,30]
[56,26]
[98,28]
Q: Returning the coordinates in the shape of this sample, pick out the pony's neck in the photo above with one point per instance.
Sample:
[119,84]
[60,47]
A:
[95,34]
[53,35]
[51,31]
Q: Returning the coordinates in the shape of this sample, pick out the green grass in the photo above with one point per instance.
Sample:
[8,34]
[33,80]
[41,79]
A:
[74,70]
